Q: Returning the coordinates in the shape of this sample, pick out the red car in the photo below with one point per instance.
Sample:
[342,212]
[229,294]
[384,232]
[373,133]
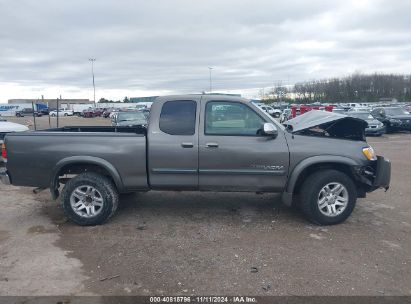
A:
[92,112]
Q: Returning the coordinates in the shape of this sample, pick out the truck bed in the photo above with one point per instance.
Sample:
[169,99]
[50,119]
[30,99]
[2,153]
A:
[121,149]
[110,129]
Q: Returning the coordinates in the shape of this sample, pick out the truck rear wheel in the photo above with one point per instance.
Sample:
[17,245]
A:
[328,197]
[89,199]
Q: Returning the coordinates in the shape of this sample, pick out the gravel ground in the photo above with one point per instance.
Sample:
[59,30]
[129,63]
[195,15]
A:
[210,243]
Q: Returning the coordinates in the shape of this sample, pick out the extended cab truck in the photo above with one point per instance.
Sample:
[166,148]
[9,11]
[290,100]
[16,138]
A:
[28,112]
[320,162]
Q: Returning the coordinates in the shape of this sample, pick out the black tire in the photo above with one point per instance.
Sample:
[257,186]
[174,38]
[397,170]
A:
[310,192]
[53,115]
[103,185]
[18,115]
[65,114]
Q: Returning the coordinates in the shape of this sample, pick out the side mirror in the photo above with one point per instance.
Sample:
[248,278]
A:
[270,130]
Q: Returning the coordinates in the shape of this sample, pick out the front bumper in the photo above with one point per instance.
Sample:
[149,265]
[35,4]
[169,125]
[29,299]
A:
[4,177]
[403,125]
[375,131]
[382,173]
[374,176]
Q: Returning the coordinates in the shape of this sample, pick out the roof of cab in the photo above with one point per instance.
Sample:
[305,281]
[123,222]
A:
[201,96]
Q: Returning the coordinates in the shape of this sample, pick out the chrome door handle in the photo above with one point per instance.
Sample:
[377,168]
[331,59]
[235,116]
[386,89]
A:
[187,145]
[212,145]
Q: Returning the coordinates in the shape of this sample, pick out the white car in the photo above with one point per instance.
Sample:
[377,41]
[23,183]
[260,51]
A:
[8,127]
[273,112]
[62,112]
[360,109]
[113,113]
[285,115]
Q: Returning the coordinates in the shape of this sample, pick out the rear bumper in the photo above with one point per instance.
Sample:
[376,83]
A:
[4,177]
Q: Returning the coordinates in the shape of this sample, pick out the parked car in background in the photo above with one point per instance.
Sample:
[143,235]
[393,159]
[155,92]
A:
[61,112]
[107,112]
[270,110]
[79,108]
[353,105]
[44,111]
[375,127]
[285,115]
[92,112]
[360,109]
[28,112]
[145,111]
[129,118]
[339,110]
[113,113]
[394,118]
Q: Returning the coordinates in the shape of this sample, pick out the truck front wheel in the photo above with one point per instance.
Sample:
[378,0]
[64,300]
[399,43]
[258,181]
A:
[328,197]
[89,199]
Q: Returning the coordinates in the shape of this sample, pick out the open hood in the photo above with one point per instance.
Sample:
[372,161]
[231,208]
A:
[328,124]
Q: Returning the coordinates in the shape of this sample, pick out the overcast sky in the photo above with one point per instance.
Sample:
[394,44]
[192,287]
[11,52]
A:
[165,47]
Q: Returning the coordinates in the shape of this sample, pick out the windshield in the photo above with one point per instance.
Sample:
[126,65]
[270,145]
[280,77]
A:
[131,116]
[395,111]
[364,116]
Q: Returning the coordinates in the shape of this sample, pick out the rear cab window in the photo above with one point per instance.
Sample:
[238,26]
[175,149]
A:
[178,117]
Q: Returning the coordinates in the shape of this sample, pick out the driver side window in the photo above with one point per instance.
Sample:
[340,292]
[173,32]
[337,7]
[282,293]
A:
[231,118]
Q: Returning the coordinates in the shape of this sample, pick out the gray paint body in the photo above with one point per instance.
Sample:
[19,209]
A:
[179,162]
[34,157]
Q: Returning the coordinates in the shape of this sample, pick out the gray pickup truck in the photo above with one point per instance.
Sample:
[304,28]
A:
[319,161]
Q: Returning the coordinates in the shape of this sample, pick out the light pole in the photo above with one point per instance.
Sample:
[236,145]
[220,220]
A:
[211,88]
[92,72]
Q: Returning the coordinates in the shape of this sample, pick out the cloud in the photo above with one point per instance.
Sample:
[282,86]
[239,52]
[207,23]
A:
[159,46]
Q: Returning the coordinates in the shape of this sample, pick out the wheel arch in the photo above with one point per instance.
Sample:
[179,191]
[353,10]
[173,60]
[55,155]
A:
[312,164]
[80,164]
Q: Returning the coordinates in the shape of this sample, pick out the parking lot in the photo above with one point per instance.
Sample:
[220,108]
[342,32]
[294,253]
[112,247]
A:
[208,243]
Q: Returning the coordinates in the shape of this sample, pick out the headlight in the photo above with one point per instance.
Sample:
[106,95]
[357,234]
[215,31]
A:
[369,153]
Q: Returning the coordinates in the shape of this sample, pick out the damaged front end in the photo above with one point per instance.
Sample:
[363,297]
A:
[374,173]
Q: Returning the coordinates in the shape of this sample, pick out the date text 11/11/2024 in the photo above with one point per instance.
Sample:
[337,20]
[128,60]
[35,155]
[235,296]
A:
[203,299]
